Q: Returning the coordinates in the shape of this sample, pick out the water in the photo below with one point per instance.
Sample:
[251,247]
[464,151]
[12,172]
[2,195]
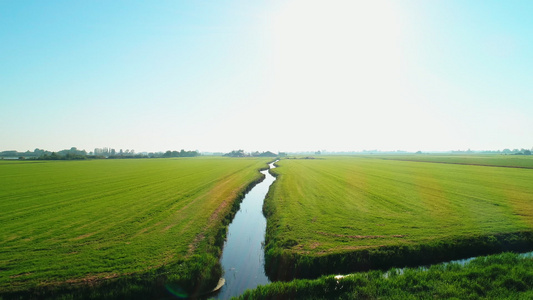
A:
[243,258]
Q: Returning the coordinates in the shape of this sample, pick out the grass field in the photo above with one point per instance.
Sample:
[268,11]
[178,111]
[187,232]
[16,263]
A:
[340,214]
[131,223]
[501,276]
[513,161]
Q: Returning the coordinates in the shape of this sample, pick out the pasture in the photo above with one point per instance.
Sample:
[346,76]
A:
[91,223]
[497,160]
[343,214]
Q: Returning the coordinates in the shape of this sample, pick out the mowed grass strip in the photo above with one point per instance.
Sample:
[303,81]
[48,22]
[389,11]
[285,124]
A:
[338,207]
[80,221]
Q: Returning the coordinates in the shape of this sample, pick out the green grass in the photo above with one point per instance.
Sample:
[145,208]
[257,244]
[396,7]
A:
[124,225]
[340,214]
[513,161]
[503,276]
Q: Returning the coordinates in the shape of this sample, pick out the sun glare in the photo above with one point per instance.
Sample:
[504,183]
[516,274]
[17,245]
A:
[338,64]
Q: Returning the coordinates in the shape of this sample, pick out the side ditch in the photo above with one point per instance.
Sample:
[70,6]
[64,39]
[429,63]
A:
[281,264]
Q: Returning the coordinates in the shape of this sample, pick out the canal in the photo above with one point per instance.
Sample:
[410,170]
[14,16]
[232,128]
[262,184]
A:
[243,257]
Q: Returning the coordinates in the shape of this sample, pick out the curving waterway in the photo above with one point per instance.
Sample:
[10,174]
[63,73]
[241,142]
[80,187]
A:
[243,257]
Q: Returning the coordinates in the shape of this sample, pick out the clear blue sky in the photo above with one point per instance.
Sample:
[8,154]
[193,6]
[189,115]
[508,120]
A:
[266,75]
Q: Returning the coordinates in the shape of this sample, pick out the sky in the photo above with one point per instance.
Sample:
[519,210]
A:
[266,75]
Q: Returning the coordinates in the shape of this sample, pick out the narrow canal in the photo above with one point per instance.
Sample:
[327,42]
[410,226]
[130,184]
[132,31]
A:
[243,257]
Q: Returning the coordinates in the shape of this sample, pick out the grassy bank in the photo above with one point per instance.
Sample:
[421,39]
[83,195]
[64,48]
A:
[503,276]
[345,214]
[117,228]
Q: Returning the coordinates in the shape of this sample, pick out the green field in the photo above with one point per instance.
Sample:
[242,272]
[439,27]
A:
[341,214]
[130,228]
[125,224]
[514,161]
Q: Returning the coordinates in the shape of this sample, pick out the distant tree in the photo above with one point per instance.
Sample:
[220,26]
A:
[10,153]
[236,153]
[527,152]
[174,153]
[38,152]
[268,154]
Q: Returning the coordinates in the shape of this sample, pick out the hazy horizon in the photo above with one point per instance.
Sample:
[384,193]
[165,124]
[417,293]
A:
[269,76]
[301,151]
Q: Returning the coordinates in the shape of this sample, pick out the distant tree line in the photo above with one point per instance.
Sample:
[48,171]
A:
[236,153]
[517,152]
[99,153]
[181,153]
[241,153]
[28,154]
[109,153]
[506,151]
